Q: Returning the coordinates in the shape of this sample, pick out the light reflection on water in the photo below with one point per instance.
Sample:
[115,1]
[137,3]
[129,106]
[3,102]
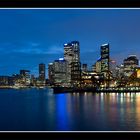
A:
[40,110]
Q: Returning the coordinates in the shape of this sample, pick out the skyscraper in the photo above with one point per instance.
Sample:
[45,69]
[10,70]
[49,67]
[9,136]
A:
[60,72]
[51,73]
[98,66]
[76,51]
[42,73]
[76,64]
[72,56]
[68,56]
[105,57]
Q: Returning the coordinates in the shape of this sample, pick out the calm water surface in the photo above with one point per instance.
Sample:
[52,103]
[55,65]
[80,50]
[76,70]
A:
[41,110]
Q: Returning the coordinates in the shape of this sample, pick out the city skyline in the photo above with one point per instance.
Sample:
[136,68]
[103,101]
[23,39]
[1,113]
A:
[32,36]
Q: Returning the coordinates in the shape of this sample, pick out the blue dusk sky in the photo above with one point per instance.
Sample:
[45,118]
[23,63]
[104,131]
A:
[32,36]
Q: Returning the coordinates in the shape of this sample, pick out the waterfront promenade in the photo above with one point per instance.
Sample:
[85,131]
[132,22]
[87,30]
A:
[121,89]
[99,90]
[91,89]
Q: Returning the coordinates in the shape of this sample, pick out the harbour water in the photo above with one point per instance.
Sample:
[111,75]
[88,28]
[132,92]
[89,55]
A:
[41,110]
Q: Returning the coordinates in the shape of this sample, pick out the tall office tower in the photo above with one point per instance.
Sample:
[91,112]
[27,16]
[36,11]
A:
[98,66]
[130,63]
[72,56]
[76,51]
[42,73]
[76,64]
[105,57]
[68,56]
[60,72]
[84,67]
[25,77]
[51,73]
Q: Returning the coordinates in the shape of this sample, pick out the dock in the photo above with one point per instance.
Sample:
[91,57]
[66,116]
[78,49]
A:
[96,90]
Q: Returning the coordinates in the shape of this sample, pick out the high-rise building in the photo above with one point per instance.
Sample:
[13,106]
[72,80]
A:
[42,73]
[98,66]
[76,51]
[68,56]
[76,72]
[51,73]
[60,72]
[76,64]
[72,56]
[130,63]
[105,57]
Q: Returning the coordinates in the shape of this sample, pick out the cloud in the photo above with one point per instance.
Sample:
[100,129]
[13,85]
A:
[55,50]
[35,48]
[34,44]
[31,48]
[30,51]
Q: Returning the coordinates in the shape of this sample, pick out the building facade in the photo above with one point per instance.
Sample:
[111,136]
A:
[105,57]
[68,56]
[98,66]
[4,81]
[51,73]
[25,77]
[105,69]
[130,63]
[72,56]
[60,72]
[42,73]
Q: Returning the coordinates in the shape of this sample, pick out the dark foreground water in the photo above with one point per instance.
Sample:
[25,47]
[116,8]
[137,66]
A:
[41,110]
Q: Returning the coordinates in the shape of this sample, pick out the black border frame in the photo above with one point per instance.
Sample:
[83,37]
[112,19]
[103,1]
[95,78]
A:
[70,4]
[70,135]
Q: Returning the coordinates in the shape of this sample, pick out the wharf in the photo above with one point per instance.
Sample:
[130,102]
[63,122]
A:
[97,90]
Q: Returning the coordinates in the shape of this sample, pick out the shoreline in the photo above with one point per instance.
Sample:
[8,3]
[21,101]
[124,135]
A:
[58,90]
[22,87]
